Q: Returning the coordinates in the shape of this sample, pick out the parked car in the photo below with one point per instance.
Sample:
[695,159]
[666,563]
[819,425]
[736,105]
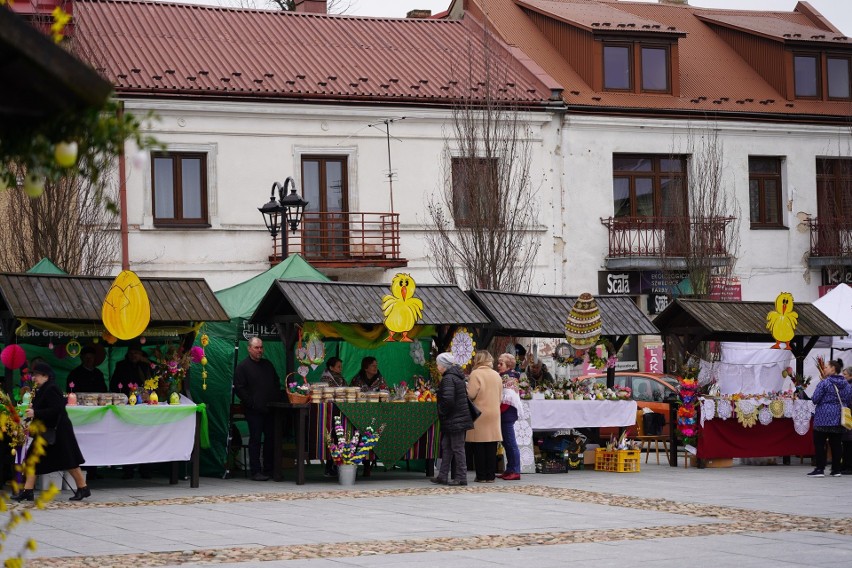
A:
[649,390]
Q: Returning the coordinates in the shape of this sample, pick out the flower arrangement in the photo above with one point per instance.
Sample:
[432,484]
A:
[800,382]
[354,449]
[170,368]
[686,414]
[11,425]
[400,390]
[299,388]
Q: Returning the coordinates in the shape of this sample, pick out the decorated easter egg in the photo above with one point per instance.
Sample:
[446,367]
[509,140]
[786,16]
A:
[583,325]
[126,310]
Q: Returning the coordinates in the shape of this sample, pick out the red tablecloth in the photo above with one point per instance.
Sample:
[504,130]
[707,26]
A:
[729,439]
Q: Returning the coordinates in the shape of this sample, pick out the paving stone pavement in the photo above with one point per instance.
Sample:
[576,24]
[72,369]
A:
[742,516]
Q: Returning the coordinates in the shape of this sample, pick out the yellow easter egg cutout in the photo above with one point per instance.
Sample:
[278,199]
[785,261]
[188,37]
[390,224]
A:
[126,311]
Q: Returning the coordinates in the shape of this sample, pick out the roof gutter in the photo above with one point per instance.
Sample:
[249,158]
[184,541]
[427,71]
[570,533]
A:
[843,120]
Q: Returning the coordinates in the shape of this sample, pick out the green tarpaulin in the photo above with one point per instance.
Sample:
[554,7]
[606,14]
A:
[45,266]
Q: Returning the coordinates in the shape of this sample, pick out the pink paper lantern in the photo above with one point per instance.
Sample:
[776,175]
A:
[13,357]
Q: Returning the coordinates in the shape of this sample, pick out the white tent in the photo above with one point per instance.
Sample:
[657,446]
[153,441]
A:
[837,305]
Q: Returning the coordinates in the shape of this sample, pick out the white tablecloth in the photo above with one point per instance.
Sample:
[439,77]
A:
[113,442]
[560,414]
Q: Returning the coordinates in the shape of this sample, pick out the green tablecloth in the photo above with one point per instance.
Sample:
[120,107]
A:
[404,423]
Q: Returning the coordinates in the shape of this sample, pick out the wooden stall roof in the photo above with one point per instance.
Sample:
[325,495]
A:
[62,298]
[535,315]
[738,321]
[294,301]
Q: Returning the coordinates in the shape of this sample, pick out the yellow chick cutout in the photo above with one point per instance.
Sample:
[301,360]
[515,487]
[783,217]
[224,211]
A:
[401,308]
[781,321]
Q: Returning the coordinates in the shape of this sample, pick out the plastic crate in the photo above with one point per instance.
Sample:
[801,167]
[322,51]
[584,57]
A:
[620,461]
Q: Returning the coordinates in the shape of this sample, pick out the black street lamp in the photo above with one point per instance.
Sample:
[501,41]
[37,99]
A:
[283,213]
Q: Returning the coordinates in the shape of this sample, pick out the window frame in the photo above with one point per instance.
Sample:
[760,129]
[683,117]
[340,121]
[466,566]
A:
[177,157]
[668,52]
[761,178]
[848,59]
[839,182]
[657,176]
[631,64]
[817,79]
[460,219]
[634,63]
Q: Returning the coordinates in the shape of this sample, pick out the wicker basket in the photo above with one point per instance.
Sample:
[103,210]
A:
[298,398]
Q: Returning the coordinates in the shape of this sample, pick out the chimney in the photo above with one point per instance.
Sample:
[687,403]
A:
[311,6]
[419,14]
[675,2]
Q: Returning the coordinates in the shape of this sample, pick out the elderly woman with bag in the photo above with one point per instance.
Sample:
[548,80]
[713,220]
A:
[831,395]
[62,451]
[456,420]
[485,389]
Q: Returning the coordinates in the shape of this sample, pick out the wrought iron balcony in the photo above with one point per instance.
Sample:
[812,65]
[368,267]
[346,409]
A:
[831,240]
[665,239]
[348,240]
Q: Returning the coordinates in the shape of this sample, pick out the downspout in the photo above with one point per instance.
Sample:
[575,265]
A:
[122,199]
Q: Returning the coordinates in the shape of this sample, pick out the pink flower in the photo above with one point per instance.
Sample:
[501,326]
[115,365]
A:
[120,386]
[71,385]
[196,354]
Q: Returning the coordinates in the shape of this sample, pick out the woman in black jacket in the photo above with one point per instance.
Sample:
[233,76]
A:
[48,406]
[454,414]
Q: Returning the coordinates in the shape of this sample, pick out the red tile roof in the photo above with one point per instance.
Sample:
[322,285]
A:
[594,16]
[165,49]
[776,28]
[714,78]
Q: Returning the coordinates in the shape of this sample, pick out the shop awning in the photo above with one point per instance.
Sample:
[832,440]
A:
[536,315]
[709,320]
[289,301]
[71,305]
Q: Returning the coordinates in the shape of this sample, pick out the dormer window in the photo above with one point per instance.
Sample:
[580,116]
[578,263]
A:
[636,67]
[822,76]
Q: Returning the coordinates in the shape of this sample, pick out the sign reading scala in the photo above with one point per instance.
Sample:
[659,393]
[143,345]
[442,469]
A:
[781,321]
[626,283]
[126,311]
[401,308]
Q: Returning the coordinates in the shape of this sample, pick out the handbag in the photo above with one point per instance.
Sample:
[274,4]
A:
[49,436]
[474,411]
[845,413]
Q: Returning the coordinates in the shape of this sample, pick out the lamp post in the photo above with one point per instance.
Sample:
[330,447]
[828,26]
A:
[283,213]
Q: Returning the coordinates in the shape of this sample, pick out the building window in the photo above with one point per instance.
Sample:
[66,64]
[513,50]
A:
[834,188]
[839,77]
[617,67]
[474,191]
[649,185]
[764,190]
[326,225]
[637,68]
[655,69]
[806,75]
[180,189]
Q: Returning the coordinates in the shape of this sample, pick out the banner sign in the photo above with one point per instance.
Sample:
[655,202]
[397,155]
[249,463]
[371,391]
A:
[618,283]
[654,359]
[834,276]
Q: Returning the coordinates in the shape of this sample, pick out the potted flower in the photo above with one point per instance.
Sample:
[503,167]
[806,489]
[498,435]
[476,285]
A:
[350,451]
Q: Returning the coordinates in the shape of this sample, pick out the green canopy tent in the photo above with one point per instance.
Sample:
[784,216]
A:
[45,266]
[228,345]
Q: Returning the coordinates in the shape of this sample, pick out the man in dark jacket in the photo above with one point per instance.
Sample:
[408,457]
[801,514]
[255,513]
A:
[456,420]
[257,384]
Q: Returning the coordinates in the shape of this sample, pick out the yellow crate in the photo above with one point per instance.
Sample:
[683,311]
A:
[621,461]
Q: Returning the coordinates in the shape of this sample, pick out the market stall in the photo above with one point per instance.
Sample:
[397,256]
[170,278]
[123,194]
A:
[538,315]
[47,313]
[784,422]
[351,311]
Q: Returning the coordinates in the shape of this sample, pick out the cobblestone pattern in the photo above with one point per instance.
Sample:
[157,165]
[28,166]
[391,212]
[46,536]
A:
[733,521]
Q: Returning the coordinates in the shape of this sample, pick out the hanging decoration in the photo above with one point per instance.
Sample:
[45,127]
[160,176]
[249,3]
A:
[205,341]
[126,311]
[13,357]
[73,348]
[583,325]
[686,423]
[602,355]
[781,321]
[312,353]
[462,347]
[402,310]
[418,356]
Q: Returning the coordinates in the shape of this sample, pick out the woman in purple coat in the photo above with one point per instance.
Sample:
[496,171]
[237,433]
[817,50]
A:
[831,395]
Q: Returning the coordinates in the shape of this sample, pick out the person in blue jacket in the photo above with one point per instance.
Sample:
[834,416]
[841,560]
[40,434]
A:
[831,395]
